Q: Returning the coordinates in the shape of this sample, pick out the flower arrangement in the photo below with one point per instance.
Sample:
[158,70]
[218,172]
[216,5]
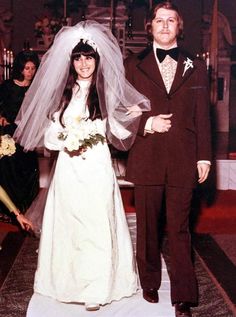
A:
[7,145]
[81,134]
[47,26]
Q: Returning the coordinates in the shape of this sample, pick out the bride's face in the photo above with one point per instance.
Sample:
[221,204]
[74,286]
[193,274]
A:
[84,67]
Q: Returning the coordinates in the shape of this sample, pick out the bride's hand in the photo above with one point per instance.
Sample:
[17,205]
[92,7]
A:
[75,152]
[135,109]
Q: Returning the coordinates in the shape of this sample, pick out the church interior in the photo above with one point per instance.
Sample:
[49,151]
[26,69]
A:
[213,217]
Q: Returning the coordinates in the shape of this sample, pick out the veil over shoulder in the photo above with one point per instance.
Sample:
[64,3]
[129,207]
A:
[116,94]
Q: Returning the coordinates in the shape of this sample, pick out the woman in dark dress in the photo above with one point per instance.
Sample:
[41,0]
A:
[19,173]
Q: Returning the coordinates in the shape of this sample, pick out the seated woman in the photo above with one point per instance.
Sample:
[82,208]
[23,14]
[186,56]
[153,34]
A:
[19,173]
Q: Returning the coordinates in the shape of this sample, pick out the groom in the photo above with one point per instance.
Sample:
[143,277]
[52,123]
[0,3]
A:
[171,152]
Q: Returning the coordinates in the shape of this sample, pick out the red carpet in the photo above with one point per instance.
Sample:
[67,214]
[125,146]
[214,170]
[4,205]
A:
[219,217]
[6,227]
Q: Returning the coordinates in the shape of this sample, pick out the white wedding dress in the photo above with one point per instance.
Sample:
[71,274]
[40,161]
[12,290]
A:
[85,252]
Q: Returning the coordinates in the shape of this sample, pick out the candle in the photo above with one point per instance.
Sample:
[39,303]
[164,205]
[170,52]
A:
[207,60]
[11,59]
[8,64]
[8,57]
[4,64]
[4,56]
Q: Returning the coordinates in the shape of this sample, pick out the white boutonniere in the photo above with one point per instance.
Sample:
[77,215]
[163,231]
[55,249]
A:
[187,64]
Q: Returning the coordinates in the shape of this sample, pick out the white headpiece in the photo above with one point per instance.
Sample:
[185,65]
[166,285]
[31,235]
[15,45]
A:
[116,95]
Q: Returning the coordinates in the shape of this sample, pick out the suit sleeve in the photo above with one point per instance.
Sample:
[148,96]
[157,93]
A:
[51,140]
[203,125]
[130,69]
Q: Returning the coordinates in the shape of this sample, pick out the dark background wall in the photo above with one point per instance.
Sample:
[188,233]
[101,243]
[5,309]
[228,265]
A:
[26,12]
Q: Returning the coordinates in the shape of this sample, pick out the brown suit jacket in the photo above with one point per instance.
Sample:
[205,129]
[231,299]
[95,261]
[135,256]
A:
[171,157]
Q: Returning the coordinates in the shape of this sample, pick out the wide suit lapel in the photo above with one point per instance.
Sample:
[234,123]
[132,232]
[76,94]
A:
[149,67]
[182,73]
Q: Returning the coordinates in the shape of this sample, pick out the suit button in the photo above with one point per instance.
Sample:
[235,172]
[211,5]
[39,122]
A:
[168,97]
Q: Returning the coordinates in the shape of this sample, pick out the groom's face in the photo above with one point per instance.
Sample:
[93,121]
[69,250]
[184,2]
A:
[165,28]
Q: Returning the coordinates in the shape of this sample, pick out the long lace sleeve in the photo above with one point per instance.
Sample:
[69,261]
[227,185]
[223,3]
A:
[51,140]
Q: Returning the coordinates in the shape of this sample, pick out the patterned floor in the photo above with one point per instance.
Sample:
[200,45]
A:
[16,288]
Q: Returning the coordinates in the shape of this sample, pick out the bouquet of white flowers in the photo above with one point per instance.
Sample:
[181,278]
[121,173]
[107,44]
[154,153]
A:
[80,134]
[7,145]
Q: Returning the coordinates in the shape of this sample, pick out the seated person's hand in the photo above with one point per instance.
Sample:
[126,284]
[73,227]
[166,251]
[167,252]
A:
[3,121]
[24,222]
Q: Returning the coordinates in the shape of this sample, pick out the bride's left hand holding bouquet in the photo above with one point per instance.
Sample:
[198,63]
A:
[80,134]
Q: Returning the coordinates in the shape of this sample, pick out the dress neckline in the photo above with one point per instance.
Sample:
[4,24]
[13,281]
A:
[83,83]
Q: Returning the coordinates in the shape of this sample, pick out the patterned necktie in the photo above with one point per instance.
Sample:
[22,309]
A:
[173,53]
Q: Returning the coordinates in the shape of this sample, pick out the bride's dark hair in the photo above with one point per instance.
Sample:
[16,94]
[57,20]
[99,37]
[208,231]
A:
[92,100]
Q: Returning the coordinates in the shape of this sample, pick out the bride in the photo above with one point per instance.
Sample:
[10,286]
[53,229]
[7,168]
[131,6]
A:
[85,253]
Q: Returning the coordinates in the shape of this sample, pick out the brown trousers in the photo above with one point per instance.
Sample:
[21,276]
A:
[148,205]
